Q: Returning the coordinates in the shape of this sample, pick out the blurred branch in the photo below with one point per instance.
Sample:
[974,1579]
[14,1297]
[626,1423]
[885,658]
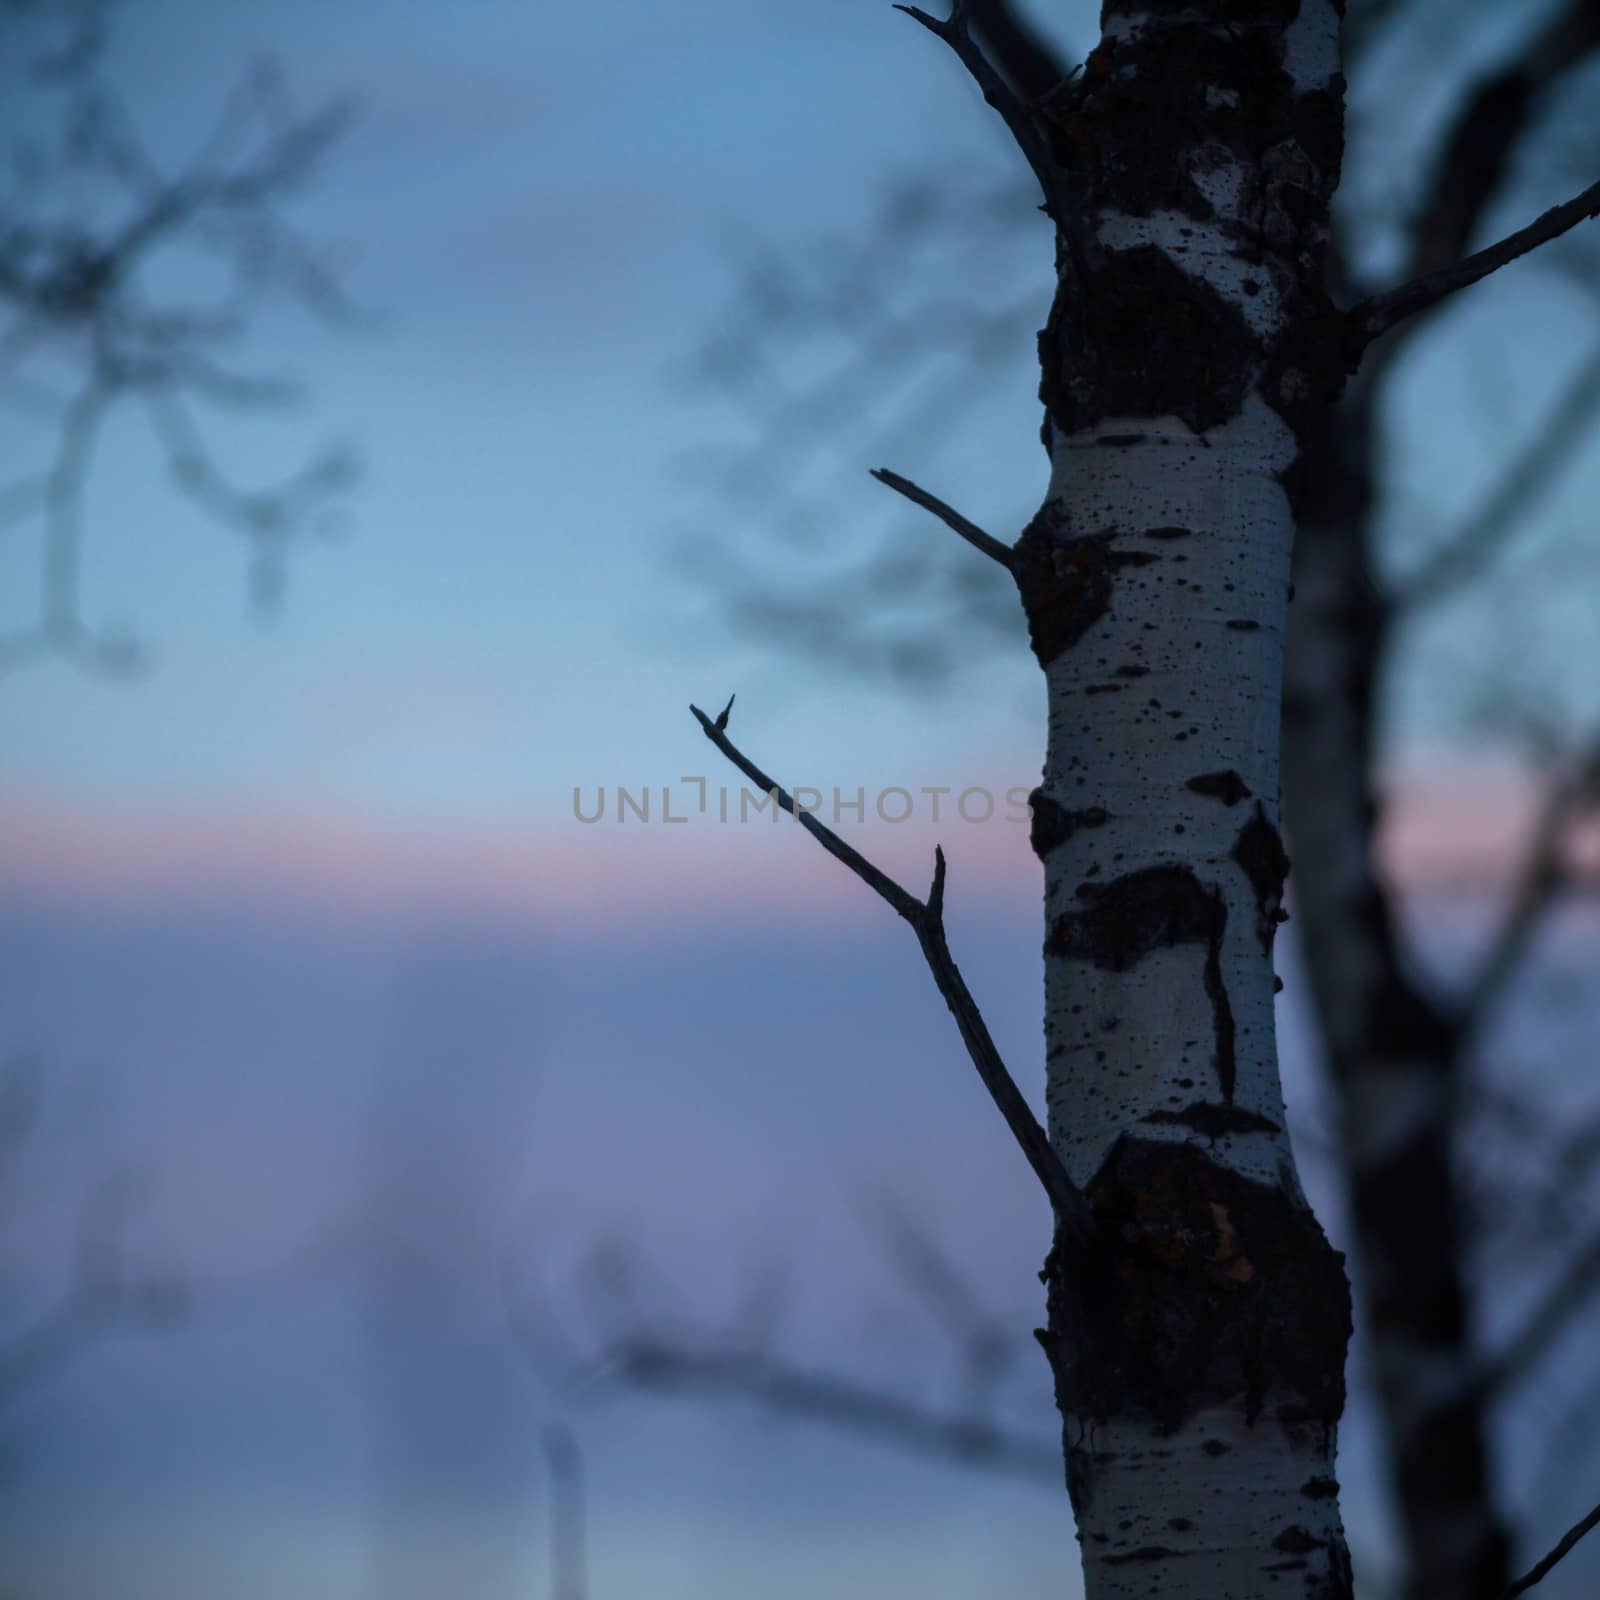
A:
[100,1296]
[569,1539]
[1469,552]
[982,1340]
[1028,60]
[1074,1221]
[76,291]
[827,1398]
[1545,876]
[1544,1325]
[954,31]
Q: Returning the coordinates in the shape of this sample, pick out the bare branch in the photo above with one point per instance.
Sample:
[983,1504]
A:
[955,33]
[1569,1294]
[841,1402]
[1073,1218]
[1375,317]
[970,531]
[1469,551]
[1538,1572]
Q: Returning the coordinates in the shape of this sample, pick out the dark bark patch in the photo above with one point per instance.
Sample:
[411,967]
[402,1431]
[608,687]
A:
[1259,850]
[1207,1285]
[1242,624]
[1227,786]
[1167,533]
[1145,1553]
[1319,1488]
[1217,993]
[1153,909]
[1121,441]
[1297,1541]
[1160,343]
[1053,824]
[1132,915]
[1066,582]
[1213,1121]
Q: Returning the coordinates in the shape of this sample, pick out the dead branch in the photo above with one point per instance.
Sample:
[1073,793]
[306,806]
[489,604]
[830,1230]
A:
[970,531]
[827,1398]
[955,32]
[1374,317]
[1074,1221]
[1540,1570]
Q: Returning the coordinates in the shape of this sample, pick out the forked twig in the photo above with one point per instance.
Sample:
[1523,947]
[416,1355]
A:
[1075,1222]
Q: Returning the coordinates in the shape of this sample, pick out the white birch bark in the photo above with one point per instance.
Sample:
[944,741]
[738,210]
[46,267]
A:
[1199,1361]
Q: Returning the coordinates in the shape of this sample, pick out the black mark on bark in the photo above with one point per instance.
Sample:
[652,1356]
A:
[1296,1541]
[1214,1121]
[1260,852]
[1228,787]
[1149,1552]
[1054,824]
[1161,343]
[1148,910]
[1066,581]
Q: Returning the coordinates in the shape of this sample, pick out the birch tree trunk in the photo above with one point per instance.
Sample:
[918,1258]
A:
[1199,1351]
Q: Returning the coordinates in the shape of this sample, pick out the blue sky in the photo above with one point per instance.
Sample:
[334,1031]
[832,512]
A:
[538,201]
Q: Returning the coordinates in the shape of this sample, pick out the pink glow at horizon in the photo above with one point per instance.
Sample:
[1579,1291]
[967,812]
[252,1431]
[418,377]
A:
[1442,833]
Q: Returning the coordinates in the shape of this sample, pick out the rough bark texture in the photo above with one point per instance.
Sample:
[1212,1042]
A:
[1199,1352]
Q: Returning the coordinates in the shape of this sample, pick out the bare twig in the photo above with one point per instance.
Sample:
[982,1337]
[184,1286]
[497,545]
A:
[1375,317]
[956,33]
[951,518]
[1074,1220]
[1468,552]
[840,1402]
[1540,1570]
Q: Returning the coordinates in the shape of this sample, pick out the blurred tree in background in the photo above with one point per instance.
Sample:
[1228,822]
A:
[129,281]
